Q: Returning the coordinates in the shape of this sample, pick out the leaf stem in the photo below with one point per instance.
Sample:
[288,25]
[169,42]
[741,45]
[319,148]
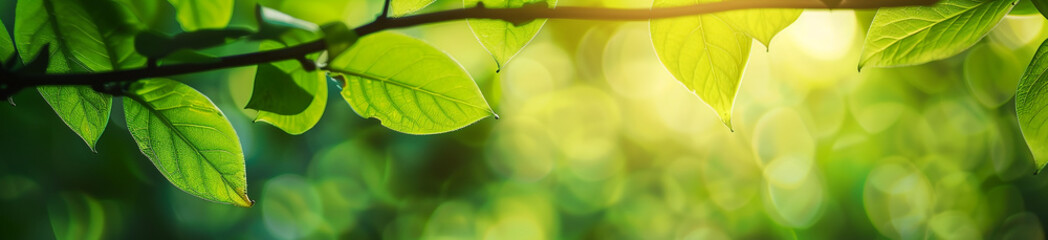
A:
[11,85]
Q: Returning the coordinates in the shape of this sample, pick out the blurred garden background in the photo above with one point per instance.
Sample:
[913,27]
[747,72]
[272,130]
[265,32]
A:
[596,140]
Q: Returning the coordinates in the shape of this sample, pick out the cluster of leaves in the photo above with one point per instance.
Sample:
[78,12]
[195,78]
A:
[409,85]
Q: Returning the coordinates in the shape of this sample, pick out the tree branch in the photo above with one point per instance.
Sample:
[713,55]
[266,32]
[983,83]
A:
[11,84]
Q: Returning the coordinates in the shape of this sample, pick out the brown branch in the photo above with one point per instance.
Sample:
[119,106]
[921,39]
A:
[11,84]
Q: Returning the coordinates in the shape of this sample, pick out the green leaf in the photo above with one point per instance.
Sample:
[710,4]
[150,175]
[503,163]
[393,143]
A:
[276,25]
[920,34]
[404,7]
[203,14]
[1024,7]
[338,37]
[705,53]
[157,45]
[1031,106]
[409,85]
[313,83]
[276,91]
[188,139]
[505,39]
[7,47]
[762,24]
[76,45]
[1042,6]
[992,72]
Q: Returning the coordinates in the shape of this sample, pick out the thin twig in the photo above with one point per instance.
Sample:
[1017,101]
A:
[17,83]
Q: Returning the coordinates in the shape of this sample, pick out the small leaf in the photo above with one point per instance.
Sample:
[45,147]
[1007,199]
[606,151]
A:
[338,37]
[404,7]
[409,85]
[7,47]
[762,24]
[992,72]
[312,82]
[276,91]
[203,14]
[76,45]
[920,34]
[188,139]
[705,53]
[276,25]
[505,39]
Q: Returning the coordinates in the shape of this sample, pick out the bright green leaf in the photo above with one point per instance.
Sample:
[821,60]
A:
[188,139]
[915,35]
[276,25]
[1031,106]
[314,83]
[409,85]
[762,24]
[992,72]
[705,53]
[404,7]
[76,45]
[504,39]
[203,14]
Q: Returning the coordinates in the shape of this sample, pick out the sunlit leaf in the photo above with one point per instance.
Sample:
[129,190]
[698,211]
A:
[188,139]
[409,85]
[312,83]
[915,35]
[76,45]
[705,53]
[203,14]
[504,39]
[992,72]
[276,25]
[762,24]
[1031,105]
[404,7]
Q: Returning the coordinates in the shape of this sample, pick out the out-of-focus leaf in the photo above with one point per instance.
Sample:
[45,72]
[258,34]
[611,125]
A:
[762,24]
[1031,106]
[705,53]
[276,91]
[1042,6]
[404,7]
[338,37]
[992,72]
[276,25]
[188,56]
[7,47]
[1024,7]
[920,34]
[76,45]
[312,83]
[188,139]
[203,14]
[245,15]
[505,39]
[409,85]
[157,45]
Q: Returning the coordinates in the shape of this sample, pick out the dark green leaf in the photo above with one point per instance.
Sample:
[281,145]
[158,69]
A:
[409,85]
[312,82]
[1042,6]
[1024,7]
[7,47]
[338,37]
[276,91]
[157,45]
[76,45]
[188,139]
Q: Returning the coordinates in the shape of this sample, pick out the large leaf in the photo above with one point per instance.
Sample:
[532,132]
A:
[76,45]
[7,48]
[405,7]
[705,53]
[188,139]
[915,35]
[203,14]
[762,24]
[1031,106]
[409,85]
[504,39]
[312,83]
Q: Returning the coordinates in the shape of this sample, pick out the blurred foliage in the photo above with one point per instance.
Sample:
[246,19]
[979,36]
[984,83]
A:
[596,140]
